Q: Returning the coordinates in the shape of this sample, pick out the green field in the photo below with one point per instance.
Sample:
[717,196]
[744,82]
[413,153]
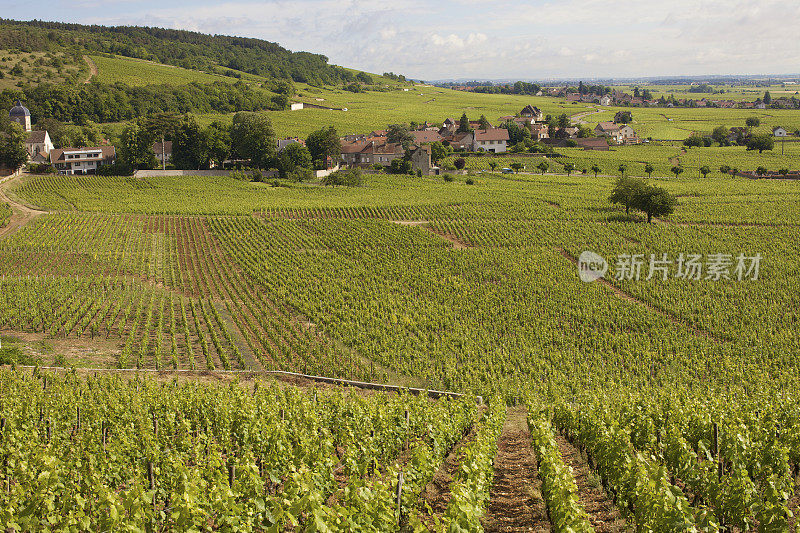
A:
[413,281]
[138,72]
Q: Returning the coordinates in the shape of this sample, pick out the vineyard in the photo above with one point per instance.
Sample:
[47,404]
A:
[5,214]
[649,405]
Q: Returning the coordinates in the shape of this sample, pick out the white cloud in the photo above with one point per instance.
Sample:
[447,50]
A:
[504,38]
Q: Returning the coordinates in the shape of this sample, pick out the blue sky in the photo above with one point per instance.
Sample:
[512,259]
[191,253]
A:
[492,39]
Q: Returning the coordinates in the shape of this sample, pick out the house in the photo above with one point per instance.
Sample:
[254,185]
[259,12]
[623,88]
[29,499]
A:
[296,106]
[354,137]
[494,140]
[627,135]
[82,160]
[460,141]
[425,136]
[608,129]
[540,131]
[605,100]
[450,124]
[38,146]
[370,153]
[21,115]
[761,105]
[573,97]
[572,131]
[533,112]
[421,160]
[377,134]
[779,132]
[163,152]
[283,143]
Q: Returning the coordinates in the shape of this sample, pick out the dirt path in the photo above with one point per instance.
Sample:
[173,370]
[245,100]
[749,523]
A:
[21,213]
[578,119]
[455,241]
[515,502]
[603,514]
[93,72]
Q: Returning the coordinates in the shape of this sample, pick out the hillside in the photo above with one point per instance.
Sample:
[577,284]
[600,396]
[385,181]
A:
[174,47]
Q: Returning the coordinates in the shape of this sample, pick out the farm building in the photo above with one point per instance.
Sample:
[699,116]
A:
[779,132]
[494,140]
[82,160]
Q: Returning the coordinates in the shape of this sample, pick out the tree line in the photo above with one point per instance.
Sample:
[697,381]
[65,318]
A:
[185,49]
[249,141]
[118,102]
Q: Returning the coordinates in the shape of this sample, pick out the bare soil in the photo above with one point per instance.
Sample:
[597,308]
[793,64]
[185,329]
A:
[603,514]
[515,502]
[21,213]
[93,72]
[436,494]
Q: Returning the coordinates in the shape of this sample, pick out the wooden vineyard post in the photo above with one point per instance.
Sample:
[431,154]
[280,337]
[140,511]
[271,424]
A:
[151,478]
[399,497]
[49,430]
[715,450]
[231,474]
[155,426]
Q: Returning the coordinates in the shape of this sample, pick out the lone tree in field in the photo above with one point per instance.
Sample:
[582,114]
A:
[569,168]
[460,163]
[625,192]
[463,124]
[752,122]
[596,169]
[543,166]
[622,169]
[761,142]
[725,169]
[705,170]
[720,134]
[493,165]
[677,170]
[654,202]
[516,167]
[648,168]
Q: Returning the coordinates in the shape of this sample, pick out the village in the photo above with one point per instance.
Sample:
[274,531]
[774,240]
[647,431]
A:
[417,146]
[606,96]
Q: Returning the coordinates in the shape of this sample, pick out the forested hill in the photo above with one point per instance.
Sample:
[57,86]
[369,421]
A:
[175,47]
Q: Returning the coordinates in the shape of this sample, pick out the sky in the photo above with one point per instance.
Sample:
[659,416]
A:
[511,39]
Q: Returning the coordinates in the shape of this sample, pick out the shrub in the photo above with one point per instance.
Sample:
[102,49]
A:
[347,178]
[470,181]
[460,163]
[448,178]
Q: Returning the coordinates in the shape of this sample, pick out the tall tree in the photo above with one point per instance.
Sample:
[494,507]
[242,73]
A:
[323,144]
[399,134]
[292,157]
[135,149]
[189,146]
[484,123]
[12,146]
[253,138]
[218,142]
[463,124]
